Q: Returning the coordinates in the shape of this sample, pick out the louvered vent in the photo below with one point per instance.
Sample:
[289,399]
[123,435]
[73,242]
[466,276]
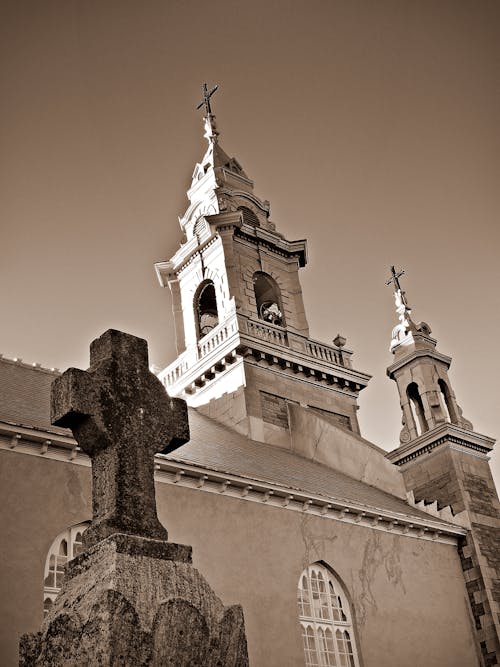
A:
[249,216]
[200,226]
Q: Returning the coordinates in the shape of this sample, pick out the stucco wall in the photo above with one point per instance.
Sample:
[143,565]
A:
[409,595]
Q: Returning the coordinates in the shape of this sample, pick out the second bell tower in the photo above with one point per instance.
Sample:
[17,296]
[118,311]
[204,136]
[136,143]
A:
[444,462]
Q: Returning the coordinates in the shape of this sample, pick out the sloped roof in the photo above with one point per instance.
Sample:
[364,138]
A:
[25,401]
[217,447]
[25,395]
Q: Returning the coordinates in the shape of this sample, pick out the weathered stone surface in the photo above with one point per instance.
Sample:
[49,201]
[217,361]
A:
[131,598]
[121,415]
[121,606]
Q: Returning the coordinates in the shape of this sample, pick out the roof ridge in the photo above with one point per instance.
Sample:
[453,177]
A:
[18,361]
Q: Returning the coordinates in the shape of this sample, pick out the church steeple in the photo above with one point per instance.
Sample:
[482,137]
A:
[444,461]
[219,183]
[421,373]
[239,314]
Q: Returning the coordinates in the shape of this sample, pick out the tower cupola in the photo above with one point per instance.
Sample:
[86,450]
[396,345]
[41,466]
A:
[444,462]
[421,373]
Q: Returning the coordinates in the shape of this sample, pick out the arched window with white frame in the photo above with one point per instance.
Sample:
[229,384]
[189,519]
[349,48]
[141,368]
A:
[64,548]
[205,308]
[326,620]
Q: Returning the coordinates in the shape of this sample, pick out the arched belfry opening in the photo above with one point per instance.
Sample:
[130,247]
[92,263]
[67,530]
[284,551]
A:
[268,298]
[417,408]
[205,308]
[447,402]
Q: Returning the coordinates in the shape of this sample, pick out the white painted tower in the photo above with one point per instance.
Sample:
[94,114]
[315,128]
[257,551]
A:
[243,344]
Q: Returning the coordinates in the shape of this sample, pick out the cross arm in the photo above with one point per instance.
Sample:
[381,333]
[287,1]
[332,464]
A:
[71,398]
[179,425]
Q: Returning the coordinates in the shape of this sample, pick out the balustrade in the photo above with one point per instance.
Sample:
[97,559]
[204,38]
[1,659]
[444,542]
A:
[262,330]
[324,352]
[216,337]
[270,333]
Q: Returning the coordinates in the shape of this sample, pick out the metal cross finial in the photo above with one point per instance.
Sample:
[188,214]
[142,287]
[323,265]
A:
[395,278]
[206,99]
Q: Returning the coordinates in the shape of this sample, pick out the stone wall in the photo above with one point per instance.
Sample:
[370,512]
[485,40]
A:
[463,480]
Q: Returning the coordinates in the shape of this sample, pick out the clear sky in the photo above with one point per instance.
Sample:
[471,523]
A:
[372,127]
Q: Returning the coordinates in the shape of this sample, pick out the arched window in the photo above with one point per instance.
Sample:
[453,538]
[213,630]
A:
[65,547]
[417,408]
[249,216]
[447,402]
[268,298]
[205,306]
[325,619]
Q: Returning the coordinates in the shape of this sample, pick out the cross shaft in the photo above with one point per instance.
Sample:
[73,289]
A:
[395,278]
[206,98]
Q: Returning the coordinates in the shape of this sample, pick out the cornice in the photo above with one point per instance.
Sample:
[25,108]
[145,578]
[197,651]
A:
[230,175]
[418,354]
[468,441]
[303,364]
[170,269]
[249,489]
[274,242]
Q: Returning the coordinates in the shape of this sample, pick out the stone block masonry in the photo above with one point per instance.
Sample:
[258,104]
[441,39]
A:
[274,409]
[463,481]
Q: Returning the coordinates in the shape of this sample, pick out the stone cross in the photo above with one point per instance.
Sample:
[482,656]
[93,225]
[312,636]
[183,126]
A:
[120,415]
[206,99]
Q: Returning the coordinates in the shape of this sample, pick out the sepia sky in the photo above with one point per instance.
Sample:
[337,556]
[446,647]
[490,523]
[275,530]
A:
[372,128]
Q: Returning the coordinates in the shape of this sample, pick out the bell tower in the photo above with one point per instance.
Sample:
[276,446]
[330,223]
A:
[444,461]
[244,351]
[421,374]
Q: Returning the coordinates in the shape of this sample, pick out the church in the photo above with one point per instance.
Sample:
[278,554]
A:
[339,552]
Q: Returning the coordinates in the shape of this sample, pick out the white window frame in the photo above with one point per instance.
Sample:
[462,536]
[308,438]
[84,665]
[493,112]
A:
[326,621]
[69,535]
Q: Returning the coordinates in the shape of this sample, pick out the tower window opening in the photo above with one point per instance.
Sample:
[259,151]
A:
[207,317]
[268,298]
[417,408]
[450,412]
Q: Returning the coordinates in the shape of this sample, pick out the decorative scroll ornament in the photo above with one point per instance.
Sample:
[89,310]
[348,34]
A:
[406,324]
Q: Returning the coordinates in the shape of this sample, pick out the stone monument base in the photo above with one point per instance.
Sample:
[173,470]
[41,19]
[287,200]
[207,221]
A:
[134,601]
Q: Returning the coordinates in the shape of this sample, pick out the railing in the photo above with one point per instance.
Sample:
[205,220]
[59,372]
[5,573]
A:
[174,373]
[324,352]
[279,336]
[217,336]
[269,333]
[190,357]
